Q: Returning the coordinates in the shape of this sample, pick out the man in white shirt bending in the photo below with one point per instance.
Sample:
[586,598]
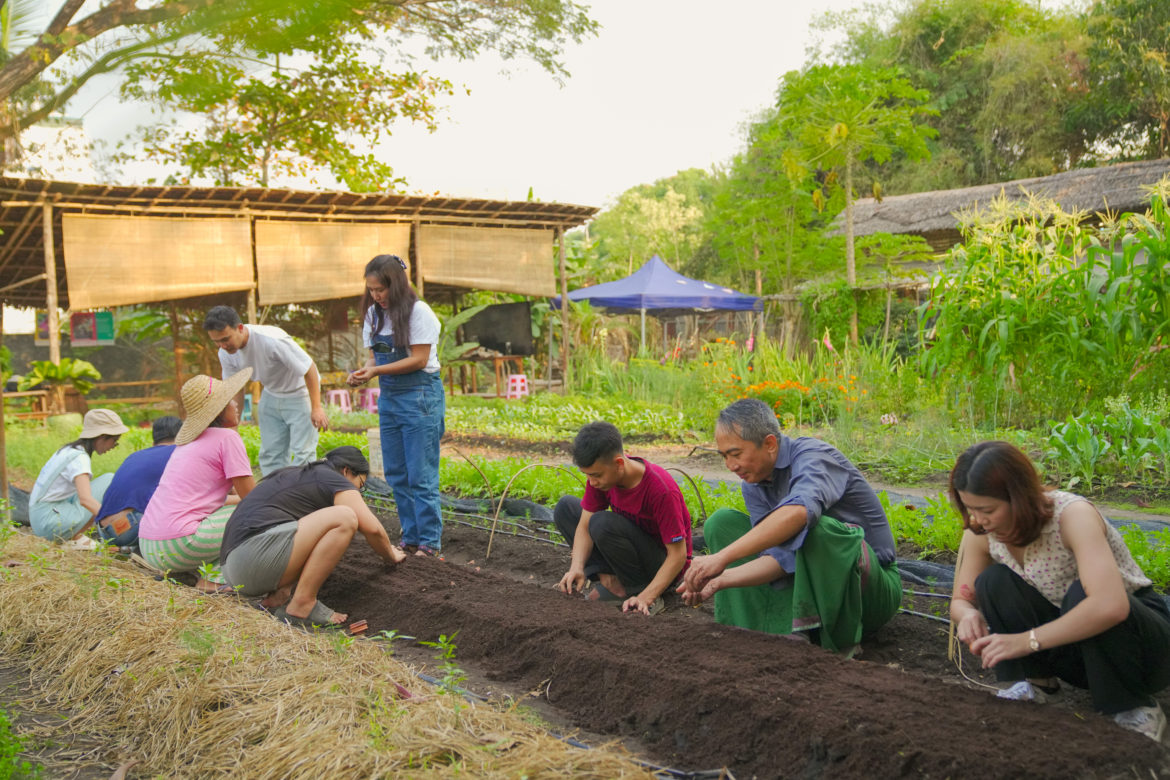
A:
[289,412]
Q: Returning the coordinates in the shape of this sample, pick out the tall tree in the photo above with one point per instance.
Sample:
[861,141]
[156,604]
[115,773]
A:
[1002,74]
[838,117]
[72,48]
[1127,107]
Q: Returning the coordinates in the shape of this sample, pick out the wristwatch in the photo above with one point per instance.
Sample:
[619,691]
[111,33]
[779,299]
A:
[1033,642]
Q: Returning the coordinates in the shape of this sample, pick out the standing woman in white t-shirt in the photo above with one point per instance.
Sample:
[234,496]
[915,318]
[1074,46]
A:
[402,334]
[66,496]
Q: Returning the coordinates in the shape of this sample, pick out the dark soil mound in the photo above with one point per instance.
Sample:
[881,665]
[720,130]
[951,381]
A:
[699,695]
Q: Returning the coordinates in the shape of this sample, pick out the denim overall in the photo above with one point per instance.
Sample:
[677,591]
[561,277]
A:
[410,415]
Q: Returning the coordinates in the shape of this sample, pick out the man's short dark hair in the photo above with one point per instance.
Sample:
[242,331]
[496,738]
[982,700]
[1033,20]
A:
[220,317]
[166,428]
[595,441]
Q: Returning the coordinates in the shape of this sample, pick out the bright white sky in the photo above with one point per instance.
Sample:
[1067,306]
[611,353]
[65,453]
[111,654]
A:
[667,85]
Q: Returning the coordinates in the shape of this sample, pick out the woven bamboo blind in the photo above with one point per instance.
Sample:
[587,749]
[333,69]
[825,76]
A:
[312,261]
[500,259]
[118,260]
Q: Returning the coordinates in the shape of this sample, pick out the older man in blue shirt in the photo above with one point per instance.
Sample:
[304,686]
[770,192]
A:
[814,554]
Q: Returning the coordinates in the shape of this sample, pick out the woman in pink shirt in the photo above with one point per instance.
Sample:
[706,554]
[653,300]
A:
[183,525]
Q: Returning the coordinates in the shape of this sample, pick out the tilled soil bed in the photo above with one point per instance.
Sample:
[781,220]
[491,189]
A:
[698,695]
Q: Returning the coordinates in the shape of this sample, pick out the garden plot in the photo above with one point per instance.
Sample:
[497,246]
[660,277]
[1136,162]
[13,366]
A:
[698,696]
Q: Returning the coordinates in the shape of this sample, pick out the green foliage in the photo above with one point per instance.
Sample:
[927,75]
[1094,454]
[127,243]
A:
[1127,103]
[12,766]
[1151,552]
[1017,325]
[282,122]
[1003,75]
[448,351]
[545,417]
[80,374]
[1123,444]
[664,218]
[934,529]
[189,42]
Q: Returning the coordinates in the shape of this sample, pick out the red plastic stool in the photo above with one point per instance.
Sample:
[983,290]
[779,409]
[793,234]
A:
[338,398]
[517,386]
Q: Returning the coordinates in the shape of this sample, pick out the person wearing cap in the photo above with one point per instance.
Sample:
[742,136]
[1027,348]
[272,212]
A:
[66,495]
[182,527]
[134,483]
[289,412]
[402,334]
[288,535]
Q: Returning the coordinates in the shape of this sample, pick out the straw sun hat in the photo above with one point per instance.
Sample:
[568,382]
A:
[102,422]
[204,398]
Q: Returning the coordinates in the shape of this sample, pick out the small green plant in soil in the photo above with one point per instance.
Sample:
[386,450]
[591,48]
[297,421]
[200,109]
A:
[453,677]
[12,766]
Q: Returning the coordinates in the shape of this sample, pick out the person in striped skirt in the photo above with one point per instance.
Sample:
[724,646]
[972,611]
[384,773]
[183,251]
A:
[183,525]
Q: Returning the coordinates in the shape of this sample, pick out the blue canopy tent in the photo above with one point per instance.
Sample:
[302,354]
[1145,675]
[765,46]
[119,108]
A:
[659,289]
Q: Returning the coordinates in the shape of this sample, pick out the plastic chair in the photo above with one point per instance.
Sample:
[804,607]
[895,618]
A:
[338,398]
[246,415]
[368,398]
[517,386]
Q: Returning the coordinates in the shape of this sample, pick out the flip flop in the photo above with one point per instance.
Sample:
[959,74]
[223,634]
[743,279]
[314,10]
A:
[318,618]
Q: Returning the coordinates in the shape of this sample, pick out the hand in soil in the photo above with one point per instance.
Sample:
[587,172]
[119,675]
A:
[693,598]
[397,555]
[994,648]
[572,582]
[637,604]
[703,569]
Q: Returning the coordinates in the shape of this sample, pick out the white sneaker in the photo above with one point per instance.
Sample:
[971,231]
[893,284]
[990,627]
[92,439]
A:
[82,543]
[1021,691]
[1150,721]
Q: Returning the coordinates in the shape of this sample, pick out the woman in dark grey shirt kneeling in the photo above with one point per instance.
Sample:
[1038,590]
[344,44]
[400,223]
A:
[293,528]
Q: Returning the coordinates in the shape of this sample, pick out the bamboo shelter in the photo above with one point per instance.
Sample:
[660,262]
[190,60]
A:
[69,246]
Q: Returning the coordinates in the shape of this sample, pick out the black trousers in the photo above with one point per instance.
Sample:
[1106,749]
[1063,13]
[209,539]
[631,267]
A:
[1120,667]
[620,547]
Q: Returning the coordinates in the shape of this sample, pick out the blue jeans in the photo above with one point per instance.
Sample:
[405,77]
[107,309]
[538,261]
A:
[411,423]
[128,538]
[287,435]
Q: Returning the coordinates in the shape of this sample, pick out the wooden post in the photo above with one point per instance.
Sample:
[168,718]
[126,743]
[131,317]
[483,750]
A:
[418,271]
[564,311]
[178,353]
[51,282]
[6,515]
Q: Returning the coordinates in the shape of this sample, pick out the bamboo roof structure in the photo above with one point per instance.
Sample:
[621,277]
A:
[25,203]
[932,215]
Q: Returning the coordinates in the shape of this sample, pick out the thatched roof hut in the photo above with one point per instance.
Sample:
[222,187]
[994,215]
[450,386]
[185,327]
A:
[932,215]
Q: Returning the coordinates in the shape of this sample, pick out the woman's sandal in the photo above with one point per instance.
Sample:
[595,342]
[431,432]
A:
[319,617]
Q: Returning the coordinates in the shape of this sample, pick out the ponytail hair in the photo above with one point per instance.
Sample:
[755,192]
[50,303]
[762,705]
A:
[348,457]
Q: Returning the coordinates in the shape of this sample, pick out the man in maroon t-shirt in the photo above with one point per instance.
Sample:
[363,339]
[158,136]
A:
[631,531]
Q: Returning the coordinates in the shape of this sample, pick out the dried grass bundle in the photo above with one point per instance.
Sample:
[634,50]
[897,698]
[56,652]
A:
[199,686]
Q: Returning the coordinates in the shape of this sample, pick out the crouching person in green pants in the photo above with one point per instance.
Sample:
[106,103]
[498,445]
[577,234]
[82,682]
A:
[814,554]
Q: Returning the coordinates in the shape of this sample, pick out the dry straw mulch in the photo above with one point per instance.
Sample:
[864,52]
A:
[199,686]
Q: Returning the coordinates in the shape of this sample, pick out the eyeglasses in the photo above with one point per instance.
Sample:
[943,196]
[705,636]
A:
[381,347]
